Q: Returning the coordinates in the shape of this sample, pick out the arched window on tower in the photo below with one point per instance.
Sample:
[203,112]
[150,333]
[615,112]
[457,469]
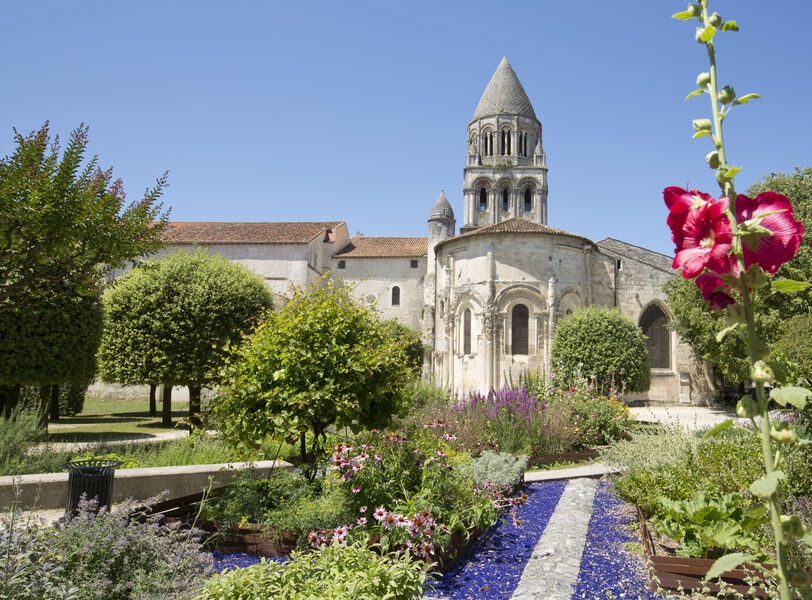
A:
[520,318]
[483,199]
[487,144]
[654,324]
[466,331]
[528,199]
[505,200]
[395,296]
[505,142]
[523,143]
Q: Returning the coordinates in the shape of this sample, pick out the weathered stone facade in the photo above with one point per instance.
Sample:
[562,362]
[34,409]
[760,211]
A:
[487,299]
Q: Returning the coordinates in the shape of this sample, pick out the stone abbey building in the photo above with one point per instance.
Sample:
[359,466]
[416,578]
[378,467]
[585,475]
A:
[486,295]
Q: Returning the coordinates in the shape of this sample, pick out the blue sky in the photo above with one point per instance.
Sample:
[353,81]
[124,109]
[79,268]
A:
[357,111]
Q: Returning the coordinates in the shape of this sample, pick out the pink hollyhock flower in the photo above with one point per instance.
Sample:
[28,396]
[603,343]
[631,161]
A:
[680,202]
[701,232]
[714,290]
[773,212]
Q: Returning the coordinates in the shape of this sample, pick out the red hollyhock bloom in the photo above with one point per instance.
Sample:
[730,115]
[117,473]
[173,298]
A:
[769,251]
[705,240]
[680,202]
[714,290]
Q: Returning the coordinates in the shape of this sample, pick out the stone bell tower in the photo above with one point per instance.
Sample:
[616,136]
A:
[506,171]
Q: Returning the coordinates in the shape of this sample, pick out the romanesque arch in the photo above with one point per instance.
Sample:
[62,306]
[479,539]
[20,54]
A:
[654,323]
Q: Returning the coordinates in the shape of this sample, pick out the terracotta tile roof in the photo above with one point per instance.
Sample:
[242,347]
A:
[179,232]
[648,257]
[384,247]
[518,225]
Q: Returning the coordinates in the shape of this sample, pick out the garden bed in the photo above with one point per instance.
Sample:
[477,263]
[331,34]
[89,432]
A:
[261,540]
[678,573]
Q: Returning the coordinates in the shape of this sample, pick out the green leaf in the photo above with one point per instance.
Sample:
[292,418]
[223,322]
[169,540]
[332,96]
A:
[723,426]
[787,286]
[685,15]
[765,486]
[701,134]
[728,562]
[746,98]
[796,396]
[707,34]
[730,26]
[694,94]
[733,171]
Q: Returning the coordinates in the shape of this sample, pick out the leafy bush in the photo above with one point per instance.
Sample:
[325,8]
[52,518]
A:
[604,344]
[709,525]
[499,468]
[353,571]
[102,555]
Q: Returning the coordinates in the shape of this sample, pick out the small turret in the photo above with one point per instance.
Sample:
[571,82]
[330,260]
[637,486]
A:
[441,223]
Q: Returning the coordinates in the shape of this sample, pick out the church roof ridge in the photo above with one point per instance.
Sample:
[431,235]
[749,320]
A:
[644,255]
[518,225]
[246,232]
[504,94]
[364,246]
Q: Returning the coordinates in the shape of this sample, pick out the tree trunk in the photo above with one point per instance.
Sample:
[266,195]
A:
[153,406]
[9,398]
[166,419]
[195,419]
[44,403]
[53,407]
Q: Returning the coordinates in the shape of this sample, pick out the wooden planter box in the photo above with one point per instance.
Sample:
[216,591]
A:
[261,540]
[674,572]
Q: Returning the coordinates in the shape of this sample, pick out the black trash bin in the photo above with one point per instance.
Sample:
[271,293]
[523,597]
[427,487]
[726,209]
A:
[91,477]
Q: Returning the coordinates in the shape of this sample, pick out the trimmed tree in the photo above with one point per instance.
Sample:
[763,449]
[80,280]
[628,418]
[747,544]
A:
[604,344]
[321,361]
[64,225]
[172,320]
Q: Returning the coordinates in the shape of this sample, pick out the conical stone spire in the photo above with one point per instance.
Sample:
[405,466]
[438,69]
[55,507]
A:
[504,95]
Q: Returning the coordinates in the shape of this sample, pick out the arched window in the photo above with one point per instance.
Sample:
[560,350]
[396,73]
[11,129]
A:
[466,331]
[483,199]
[505,200]
[520,317]
[505,142]
[528,199]
[654,324]
[395,296]
[487,144]
[523,143]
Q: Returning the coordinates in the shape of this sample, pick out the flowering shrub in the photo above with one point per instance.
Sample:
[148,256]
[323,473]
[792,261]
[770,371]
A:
[731,247]
[411,490]
[101,555]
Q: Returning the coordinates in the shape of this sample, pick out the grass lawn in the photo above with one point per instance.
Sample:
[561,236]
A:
[103,420]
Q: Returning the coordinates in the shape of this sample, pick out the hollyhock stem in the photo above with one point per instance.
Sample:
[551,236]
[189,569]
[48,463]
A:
[766,449]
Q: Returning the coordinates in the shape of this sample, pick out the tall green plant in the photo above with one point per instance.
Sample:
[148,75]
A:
[732,247]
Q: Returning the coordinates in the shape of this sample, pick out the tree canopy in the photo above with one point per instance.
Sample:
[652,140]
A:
[602,343]
[322,360]
[171,320]
[64,219]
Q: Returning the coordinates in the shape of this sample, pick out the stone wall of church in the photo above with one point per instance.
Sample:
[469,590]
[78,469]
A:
[688,380]
[280,265]
[373,280]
